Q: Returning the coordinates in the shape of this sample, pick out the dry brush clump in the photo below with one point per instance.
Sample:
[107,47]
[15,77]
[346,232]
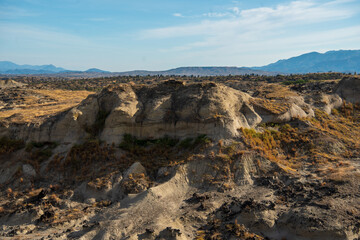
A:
[343,126]
[284,146]
[8,145]
[273,106]
[85,160]
[156,153]
[136,183]
[216,229]
[38,152]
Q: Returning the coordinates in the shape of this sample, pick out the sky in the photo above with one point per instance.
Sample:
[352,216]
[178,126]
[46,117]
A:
[124,35]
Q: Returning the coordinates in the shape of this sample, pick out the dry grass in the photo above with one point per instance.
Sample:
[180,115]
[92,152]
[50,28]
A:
[272,106]
[284,147]
[328,139]
[339,172]
[275,91]
[344,125]
[42,103]
[218,230]
[54,199]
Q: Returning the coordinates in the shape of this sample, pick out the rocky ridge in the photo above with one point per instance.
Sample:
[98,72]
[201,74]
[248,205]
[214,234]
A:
[171,108]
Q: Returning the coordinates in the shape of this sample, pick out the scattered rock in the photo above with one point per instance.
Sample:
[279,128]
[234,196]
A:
[135,169]
[28,170]
[169,234]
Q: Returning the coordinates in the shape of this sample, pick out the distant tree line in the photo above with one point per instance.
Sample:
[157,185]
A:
[96,84]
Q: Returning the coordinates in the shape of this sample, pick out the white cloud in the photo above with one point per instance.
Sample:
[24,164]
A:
[236,10]
[216,14]
[296,13]
[178,15]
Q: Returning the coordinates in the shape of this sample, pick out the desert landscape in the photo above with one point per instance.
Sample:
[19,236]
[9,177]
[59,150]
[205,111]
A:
[246,157]
[180,120]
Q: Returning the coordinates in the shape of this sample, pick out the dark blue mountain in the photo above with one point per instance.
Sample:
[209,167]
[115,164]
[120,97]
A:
[96,70]
[12,68]
[347,61]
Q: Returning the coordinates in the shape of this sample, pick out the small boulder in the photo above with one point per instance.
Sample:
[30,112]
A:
[28,170]
[135,169]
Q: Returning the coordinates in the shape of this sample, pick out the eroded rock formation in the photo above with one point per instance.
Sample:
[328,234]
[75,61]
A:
[349,89]
[171,108]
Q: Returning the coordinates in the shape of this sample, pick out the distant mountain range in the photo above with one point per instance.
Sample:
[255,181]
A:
[347,61]
[12,68]
[332,61]
[200,71]
[7,67]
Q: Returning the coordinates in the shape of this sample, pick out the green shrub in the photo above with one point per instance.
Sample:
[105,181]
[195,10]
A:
[186,143]
[40,151]
[202,139]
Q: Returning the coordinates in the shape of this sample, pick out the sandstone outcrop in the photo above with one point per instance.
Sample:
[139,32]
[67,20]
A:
[170,108]
[10,84]
[349,89]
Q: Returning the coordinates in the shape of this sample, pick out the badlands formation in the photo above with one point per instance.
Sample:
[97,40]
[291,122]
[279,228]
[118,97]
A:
[170,108]
[179,160]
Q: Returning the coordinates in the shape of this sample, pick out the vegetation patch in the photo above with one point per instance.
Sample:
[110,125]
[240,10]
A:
[84,160]
[135,145]
[8,145]
[276,107]
[156,153]
[39,152]
[284,145]
[218,230]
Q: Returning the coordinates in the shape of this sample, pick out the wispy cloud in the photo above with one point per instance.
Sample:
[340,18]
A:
[12,12]
[99,19]
[257,19]
[287,27]
[178,15]
[232,12]
[216,14]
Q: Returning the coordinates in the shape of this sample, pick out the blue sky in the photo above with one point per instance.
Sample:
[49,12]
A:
[121,35]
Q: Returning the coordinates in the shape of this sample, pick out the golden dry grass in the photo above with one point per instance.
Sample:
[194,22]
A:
[41,103]
[340,127]
[273,106]
[275,91]
[335,172]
